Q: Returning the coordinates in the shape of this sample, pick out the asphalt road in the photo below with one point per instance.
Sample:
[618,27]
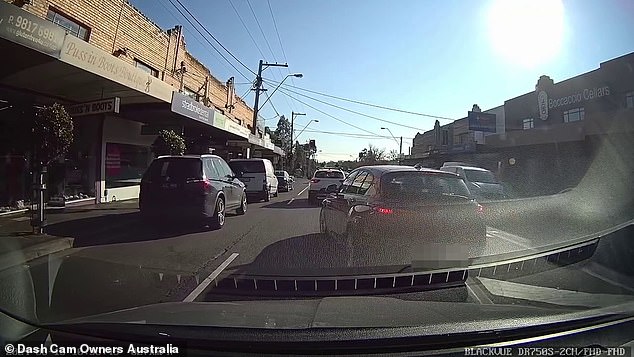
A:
[118,262]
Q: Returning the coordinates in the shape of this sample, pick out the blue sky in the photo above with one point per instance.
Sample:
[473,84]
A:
[432,57]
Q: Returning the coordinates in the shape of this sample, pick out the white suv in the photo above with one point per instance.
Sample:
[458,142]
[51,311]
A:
[320,182]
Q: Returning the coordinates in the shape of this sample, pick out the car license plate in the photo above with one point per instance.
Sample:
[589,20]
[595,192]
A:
[169,185]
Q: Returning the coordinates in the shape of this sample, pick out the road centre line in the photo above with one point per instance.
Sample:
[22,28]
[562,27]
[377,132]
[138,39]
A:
[302,191]
[203,284]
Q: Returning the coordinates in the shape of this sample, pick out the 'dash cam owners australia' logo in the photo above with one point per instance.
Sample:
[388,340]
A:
[542,104]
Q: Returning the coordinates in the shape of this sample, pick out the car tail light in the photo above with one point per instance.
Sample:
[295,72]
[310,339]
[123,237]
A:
[204,185]
[314,180]
[383,210]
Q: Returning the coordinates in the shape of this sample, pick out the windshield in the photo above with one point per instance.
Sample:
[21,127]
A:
[247,167]
[314,166]
[328,174]
[417,185]
[479,176]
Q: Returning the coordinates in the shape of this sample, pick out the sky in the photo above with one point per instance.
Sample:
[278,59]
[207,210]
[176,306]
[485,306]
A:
[430,57]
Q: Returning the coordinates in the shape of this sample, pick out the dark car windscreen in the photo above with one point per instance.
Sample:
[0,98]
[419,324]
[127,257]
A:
[328,174]
[246,167]
[480,176]
[176,169]
[408,185]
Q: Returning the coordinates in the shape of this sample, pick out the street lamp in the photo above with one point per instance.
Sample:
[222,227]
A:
[297,75]
[300,133]
[400,144]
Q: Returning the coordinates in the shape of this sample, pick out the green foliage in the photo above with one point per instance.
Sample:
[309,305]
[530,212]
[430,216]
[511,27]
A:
[169,143]
[52,133]
[282,134]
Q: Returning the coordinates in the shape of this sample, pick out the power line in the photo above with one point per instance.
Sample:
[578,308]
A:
[195,37]
[324,113]
[206,39]
[247,28]
[272,106]
[215,39]
[354,111]
[261,31]
[350,134]
[364,103]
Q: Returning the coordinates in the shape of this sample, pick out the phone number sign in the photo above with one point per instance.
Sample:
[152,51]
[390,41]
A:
[17,25]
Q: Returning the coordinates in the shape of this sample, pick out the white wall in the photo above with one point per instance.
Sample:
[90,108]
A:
[122,131]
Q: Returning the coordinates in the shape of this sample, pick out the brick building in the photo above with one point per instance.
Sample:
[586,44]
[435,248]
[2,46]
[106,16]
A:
[91,55]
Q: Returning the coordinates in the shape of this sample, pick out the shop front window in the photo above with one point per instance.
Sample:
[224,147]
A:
[575,114]
[125,164]
[73,27]
[528,123]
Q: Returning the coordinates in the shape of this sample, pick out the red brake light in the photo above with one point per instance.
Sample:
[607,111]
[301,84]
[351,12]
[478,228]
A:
[314,180]
[383,210]
[204,185]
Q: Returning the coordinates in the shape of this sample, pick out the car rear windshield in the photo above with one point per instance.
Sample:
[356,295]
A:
[328,174]
[179,169]
[480,176]
[419,185]
[246,167]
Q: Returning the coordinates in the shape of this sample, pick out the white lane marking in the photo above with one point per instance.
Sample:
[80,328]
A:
[512,238]
[203,284]
[609,276]
[302,191]
[290,201]
[20,219]
[478,292]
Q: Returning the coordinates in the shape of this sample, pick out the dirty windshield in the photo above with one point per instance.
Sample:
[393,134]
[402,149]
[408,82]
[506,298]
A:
[457,166]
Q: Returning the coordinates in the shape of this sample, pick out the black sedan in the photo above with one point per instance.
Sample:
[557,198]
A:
[284,181]
[392,203]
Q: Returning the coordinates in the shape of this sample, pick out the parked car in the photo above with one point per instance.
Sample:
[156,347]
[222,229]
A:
[191,187]
[259,177]
[284,181]
[320,182]
[481,182]
[390,202]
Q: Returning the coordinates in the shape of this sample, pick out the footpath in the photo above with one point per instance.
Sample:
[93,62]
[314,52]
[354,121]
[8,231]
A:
[18,243]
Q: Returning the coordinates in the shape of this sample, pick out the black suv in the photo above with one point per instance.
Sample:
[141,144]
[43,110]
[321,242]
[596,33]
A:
[191,186]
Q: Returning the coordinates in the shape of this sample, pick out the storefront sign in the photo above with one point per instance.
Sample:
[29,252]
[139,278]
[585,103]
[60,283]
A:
[19,26]
[575,98]
[255,140]
[221,121]
[110,105]
[237,129]
[479,121]
[92,59]
[186,106]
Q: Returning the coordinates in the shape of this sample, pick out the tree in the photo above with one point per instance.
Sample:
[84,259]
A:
[371,155]
[52,133]
[299,154]
[392,155]
[282,134]
[168,143]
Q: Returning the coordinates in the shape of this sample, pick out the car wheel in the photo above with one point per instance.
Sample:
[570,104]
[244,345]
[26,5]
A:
[267,195]
[218,219]
[243,205]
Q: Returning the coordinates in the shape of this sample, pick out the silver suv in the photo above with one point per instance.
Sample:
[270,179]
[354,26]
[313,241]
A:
[481,182]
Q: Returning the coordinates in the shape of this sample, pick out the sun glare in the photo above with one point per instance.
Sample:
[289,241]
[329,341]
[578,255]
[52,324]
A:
[526,32]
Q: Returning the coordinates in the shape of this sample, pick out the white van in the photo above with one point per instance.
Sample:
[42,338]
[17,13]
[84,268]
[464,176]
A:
[258,175]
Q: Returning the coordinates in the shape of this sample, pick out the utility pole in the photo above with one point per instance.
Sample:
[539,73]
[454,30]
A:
[400,148]
[258,88]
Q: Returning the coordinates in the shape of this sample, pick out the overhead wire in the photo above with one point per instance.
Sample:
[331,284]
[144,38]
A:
[247,29]
[216,40]
[351,111]
[364,103]
[326,114]
[193,33]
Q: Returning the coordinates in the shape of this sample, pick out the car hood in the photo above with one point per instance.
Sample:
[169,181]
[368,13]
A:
[345,312]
